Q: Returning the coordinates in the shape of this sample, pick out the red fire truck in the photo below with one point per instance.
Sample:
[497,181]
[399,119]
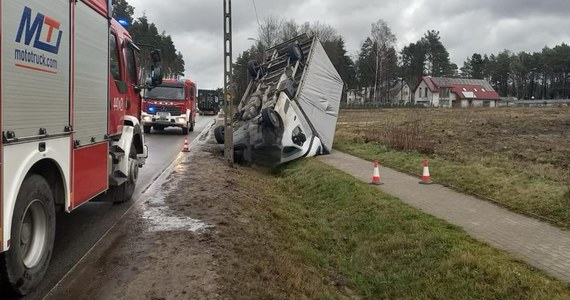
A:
[171,104]
[70,108]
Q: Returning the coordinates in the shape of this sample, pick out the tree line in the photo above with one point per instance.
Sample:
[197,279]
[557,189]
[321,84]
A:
[524,75]
[147,36]
[378,64]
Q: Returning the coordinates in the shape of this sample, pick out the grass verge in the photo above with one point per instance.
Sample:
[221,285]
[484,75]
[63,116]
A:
[517,157]
[328,236]
[498,180]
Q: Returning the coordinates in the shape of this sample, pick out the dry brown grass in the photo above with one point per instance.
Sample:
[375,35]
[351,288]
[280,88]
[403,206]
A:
[518,157]
[410,135]
[529,135]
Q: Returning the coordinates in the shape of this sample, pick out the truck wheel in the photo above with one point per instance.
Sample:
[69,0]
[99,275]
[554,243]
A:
[219,134]
[146,129]
[295,52]
[33,232]
[124,192]
[185,130]
[239,153]
[269,117]
[254,69]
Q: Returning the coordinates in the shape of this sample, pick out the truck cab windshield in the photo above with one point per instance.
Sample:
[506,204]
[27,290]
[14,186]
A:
[165,92]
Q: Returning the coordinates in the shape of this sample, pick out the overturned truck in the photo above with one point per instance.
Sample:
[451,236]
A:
[290,107]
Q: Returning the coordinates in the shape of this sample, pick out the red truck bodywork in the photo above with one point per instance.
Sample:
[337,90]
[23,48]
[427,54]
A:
[75,74]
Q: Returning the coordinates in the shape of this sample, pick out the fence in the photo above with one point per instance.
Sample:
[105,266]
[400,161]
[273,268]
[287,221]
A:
[376,105]
[531,103]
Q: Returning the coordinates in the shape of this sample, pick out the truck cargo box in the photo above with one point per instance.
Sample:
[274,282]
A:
[209,101]
[291,105]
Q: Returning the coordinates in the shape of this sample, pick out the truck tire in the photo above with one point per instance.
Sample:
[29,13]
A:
[33,231]
[185,130]
[254,69]
[219,134]
[146,129]
[124,192]
[270,118]
[295,52]
[239,153]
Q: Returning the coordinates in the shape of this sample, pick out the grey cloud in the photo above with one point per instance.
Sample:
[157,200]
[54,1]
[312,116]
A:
[484,26]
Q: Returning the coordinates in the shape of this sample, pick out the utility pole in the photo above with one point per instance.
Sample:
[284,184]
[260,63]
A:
[228,97]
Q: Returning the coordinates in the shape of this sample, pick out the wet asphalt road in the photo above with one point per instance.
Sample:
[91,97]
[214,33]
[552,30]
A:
[77,232]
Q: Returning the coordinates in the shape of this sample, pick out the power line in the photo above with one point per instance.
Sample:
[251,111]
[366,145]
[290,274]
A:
[256,15]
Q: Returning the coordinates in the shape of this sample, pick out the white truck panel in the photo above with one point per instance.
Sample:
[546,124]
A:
[18,160]
[320,93]
[91,75]
[35,66]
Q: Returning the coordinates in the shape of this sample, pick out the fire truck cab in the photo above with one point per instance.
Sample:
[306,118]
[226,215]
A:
[171,104]
[69,115]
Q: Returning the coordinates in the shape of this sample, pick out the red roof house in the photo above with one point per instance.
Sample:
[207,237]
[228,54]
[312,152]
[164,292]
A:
[455,92]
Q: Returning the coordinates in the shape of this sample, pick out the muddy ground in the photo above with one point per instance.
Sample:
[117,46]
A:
[191,238]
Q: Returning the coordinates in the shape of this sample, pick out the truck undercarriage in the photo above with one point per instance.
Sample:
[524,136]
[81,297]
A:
[290,107]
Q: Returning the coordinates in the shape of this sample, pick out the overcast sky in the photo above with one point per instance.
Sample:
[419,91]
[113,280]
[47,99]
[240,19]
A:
[466,26]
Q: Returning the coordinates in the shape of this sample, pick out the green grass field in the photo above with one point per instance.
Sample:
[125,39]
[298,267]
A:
[339,238]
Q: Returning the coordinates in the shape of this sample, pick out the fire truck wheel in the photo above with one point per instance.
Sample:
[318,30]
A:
[33,231]
[219,134]
[269,117]
[124,192]
[146,129]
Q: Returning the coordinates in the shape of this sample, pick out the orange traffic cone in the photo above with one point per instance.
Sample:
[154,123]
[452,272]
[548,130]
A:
[376,175]
[185,149]
[426,178]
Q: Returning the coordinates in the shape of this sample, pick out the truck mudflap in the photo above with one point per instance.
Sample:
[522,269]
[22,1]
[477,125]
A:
[291,105]
[137,139]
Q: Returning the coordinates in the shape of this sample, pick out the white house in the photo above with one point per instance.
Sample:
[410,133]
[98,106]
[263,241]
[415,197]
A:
[455,92]
[359,96]
[400,92]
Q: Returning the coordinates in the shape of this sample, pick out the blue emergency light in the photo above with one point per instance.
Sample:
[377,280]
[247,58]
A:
[123,22]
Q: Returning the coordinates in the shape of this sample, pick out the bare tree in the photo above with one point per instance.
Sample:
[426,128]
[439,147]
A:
[324,32]
[290,30]
[270,31]
[384,43]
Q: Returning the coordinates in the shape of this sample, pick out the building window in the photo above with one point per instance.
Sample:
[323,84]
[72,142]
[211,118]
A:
[486,103]
[420,92]
[444,93]
[426,92]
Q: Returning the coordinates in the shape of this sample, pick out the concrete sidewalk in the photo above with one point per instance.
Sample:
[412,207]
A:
[541,245]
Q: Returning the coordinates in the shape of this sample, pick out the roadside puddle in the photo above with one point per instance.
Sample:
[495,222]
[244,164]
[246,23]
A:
[160,216]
